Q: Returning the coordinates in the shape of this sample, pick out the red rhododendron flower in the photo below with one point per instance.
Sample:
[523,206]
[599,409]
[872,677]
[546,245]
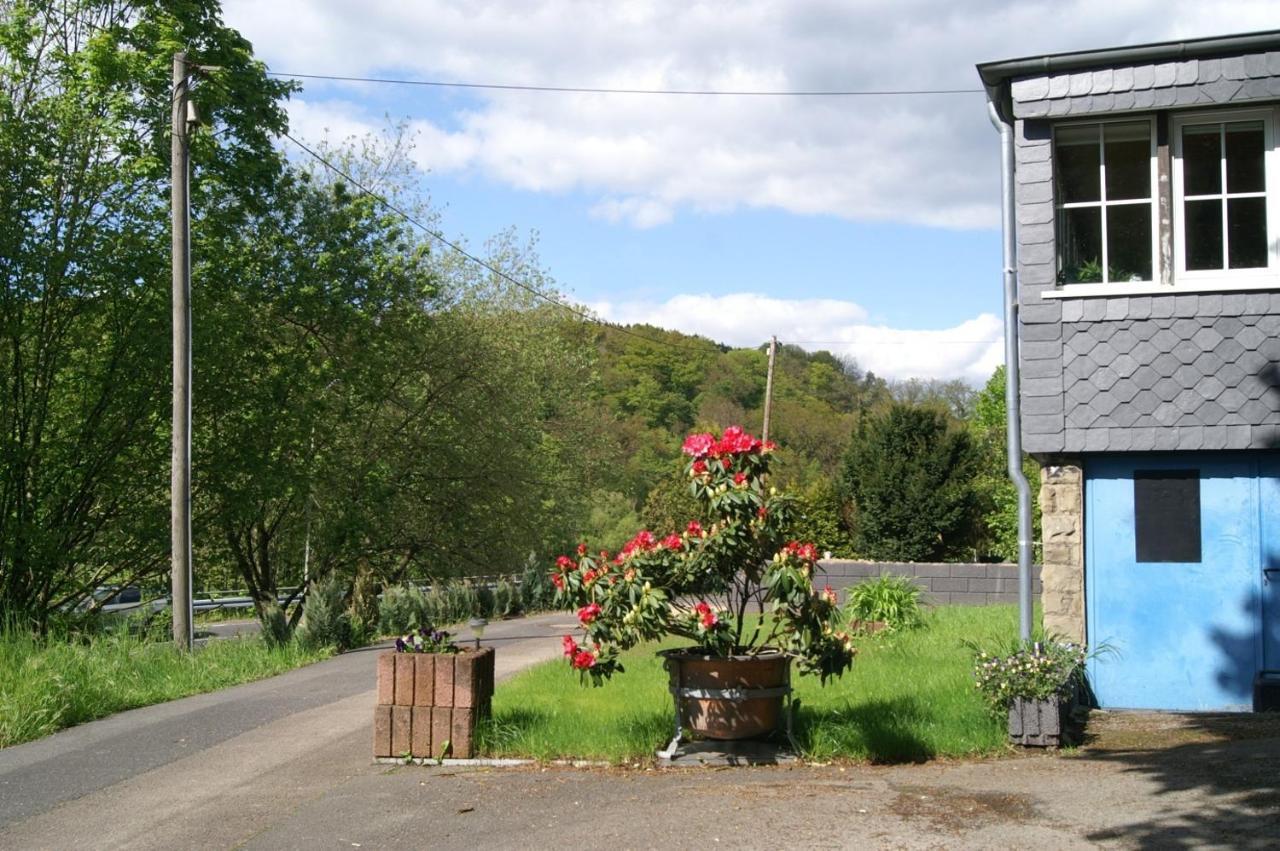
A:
[829,594]
[735,441]
[804,552]
[584,659]
[558,581]
[725,463]
[762,512]
[694,528]
[673,542]
[698,445]
[699,467]
[706,615]
[739,478]
[570,646]
[643,541]
[768,446]
[589,613]
[589,577]
[566,563]
[582,549]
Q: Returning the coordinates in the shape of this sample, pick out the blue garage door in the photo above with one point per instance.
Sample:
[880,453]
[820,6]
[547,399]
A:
[1176,555]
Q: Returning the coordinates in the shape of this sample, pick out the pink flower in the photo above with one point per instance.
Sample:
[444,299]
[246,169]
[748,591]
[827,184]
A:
[705,615]
[803,551]
[589,577]
[582,550]
[558,581]
[829,594]
[699,467]
[643,541]
[735,441]
[768,446]
[762,512]
[570,646]
[694,528]
[565,563]
[673,542]
[739,479]
[583,660]
[589,613]
[698,445]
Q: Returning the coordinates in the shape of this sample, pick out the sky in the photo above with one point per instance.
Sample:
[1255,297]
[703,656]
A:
[867,226]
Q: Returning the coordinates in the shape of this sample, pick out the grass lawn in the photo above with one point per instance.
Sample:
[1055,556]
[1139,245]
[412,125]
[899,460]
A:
[46,685]
[909,697]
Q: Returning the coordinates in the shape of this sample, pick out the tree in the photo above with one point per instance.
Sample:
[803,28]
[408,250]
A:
[910,473]
[84,94]
[998,496]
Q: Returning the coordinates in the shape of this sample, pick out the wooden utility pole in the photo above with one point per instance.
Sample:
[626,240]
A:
[768,387]
[180,474]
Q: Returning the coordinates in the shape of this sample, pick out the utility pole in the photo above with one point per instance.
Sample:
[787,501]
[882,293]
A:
[180,475]
[768,387]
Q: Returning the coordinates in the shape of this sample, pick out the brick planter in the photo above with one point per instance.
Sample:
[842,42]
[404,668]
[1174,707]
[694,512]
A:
[428,702]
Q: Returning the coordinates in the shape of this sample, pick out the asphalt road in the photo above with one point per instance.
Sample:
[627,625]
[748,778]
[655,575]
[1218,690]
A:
[310,707]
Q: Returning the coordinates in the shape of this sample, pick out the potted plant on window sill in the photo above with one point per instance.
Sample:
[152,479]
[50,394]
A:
[1037,687]
[739,589]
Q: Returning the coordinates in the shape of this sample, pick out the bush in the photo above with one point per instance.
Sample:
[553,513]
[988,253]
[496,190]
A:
[892,600]
[402,610]
[537,594]
[325,620]
[504,599]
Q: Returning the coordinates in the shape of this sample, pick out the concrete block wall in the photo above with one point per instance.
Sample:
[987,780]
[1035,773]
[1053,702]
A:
[942,584]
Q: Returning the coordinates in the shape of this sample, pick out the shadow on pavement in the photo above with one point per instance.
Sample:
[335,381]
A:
[1229,758]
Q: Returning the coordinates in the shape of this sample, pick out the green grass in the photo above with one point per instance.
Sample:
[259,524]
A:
[49,684]
[909,697]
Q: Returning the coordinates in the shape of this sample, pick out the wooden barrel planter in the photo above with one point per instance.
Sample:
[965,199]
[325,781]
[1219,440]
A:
[735,697]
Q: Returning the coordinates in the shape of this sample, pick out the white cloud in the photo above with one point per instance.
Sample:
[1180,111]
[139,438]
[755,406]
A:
[928,159]
[970,350]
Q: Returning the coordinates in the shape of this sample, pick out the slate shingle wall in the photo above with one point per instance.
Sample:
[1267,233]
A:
[1164,85]
[1189,371]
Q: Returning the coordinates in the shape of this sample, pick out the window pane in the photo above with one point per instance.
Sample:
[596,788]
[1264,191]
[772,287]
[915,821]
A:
[1203,231]
[1245,171]
[1128,160]
[1201,160]
[1129,242]
[1080,238]
[1077,159]
[1247,232]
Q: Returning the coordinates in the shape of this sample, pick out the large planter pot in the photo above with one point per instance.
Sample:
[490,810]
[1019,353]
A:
[428,703]
[738,697]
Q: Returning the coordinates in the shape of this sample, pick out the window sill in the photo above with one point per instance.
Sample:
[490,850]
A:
[1218,285]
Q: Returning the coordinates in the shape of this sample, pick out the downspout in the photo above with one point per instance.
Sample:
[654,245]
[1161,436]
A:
[1013,413]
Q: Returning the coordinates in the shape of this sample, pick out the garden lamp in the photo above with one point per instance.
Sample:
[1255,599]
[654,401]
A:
[477,628]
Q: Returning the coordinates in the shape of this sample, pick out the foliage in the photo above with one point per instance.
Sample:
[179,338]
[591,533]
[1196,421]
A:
[698,583]
[819,518]
[537,594]
[326,621]
[669,505]
[61,680]
[910,473]
[913,699]
[1034,670]
[426,640]
[995,490]
[890,599]
[612,518]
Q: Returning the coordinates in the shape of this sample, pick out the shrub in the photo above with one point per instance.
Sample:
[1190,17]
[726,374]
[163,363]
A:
[537,594]
[325,620]
[504,599]
[402,609]
[893,600]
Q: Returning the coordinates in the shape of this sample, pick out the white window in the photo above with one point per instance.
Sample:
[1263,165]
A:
[1225,221]
[1105,174]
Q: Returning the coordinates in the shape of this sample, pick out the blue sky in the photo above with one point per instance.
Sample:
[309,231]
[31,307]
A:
[872,222]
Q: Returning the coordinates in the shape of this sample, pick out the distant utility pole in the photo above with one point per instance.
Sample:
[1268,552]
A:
[768,387]
[180,475]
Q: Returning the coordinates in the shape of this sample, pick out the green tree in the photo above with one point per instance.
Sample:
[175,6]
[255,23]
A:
[999,498]
[910,473]
[84,181]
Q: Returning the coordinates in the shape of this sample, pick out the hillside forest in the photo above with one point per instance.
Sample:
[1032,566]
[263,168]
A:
[368,403]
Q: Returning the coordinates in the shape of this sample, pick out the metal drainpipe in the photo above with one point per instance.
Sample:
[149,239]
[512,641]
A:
[1013,413]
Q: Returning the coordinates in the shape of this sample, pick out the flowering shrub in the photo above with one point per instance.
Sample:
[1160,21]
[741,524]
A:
[1037,670]
[699,582]
[426,640]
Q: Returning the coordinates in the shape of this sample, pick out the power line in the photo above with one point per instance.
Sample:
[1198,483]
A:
[434,234]
[511,87]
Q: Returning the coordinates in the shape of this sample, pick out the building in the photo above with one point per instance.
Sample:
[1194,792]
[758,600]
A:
[1146,207]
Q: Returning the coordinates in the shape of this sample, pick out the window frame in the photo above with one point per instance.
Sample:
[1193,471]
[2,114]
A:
[1184,278]
[1106,286]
